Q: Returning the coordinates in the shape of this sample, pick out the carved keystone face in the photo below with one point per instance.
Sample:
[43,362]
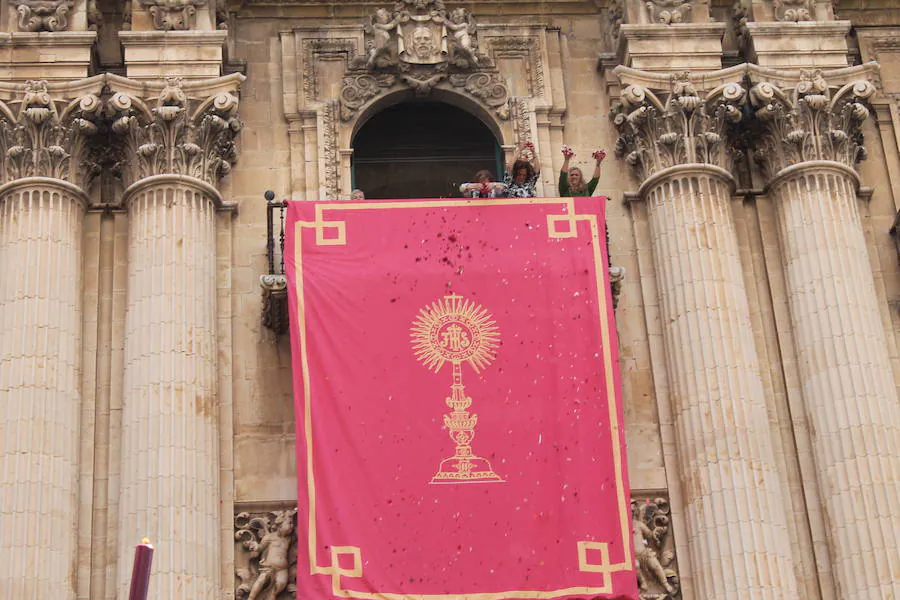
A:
[423,43]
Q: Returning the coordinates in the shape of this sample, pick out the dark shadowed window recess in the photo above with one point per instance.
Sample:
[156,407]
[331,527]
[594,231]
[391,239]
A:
[421,150]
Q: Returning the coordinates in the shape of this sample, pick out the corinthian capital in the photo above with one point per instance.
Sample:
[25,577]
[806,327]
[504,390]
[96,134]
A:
[43,136]
[812,119]
[663,128]
[185,130]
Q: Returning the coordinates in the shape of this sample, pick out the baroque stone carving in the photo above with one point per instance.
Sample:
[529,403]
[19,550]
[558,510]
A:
[42,139]
[812,121]
[667,12]
[330,116]
[685,128]
[266,555]
[654,549]
[168,139]
[793,10]
[528,50]
[344,48]
[173,14]
[490,88]
[43,15]
[94,16]
[356,90]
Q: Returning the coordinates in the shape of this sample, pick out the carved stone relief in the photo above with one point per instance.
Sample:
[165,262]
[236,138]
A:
[528,50]
[654,548]
[312,50]
[419,43]
[265,555]
[813,121]
[667,12]
[328,128]
[793,10]
[48,138]
[173,14]
[686,127]
[43,15]
[169,138]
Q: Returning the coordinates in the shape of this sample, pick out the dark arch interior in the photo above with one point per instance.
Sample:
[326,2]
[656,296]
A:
[421,150]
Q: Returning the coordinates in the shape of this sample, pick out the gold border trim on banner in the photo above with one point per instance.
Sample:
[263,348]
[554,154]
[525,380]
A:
[565,225]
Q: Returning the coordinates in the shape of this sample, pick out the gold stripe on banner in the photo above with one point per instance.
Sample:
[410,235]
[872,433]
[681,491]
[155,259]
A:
[565,225]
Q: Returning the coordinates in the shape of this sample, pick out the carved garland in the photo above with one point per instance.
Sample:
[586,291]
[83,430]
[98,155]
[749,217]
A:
[330,116]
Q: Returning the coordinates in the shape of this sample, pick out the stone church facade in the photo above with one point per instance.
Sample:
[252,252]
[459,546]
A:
[754,185]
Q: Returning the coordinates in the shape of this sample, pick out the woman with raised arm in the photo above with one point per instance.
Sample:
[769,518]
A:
[522,175]
[571,179]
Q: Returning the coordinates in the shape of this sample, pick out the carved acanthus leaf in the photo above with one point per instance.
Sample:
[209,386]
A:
[265,564]
[812,121]
[490,88]
[654,548]
[168,139]
[686,127]
[667,12]
[356,90]
[47,138]
[173,14]
[43,15]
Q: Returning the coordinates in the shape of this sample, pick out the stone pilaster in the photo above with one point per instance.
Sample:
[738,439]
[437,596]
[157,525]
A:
[44,167]
[176,152]
[737,533]
[810,144]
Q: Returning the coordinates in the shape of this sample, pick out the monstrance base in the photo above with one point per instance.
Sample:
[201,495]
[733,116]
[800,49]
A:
[466,469]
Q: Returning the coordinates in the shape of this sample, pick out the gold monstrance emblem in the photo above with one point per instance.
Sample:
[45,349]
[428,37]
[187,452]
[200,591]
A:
[455,330]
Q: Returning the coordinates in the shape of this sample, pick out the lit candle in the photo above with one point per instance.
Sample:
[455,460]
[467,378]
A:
[140,574]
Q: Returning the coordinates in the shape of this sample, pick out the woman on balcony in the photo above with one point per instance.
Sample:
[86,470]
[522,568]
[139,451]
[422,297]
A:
[522,175]
[483,186]
[571,180]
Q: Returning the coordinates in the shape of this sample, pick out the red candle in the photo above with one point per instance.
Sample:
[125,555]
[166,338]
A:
[140,574]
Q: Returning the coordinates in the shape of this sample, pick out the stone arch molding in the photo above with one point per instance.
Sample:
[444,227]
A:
[335,77]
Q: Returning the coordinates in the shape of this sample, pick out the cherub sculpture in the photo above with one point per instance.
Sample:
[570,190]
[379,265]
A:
[464,46]
[651,524]
[381,28]
[269,540]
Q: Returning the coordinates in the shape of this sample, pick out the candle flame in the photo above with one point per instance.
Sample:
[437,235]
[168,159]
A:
[145,540]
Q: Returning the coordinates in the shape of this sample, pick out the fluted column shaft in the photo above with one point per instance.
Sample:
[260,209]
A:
[845,371]
[41,224]
[170,458]
[738,538]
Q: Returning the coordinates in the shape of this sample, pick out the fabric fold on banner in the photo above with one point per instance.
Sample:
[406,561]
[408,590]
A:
[458,403]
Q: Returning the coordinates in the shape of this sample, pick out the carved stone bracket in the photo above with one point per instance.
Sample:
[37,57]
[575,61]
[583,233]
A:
[677,126]
[265,555]
[173,14]
[654,548]
[275,307]
[616,277]
[177,136]
[811,120]
[43,15]
[44,137]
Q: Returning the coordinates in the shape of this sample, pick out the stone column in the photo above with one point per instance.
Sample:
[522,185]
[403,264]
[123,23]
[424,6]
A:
[170,448]
[737,531]
[42,207]
[811,145]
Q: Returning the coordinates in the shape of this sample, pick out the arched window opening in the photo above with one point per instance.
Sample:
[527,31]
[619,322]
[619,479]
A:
[421,150]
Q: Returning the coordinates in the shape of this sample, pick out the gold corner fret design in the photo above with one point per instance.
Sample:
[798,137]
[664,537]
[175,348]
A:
[457,330]
[559,226]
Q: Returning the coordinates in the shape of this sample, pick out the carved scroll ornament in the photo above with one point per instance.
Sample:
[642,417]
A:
[667,12]
[173,14]
[685,128]
[43,15]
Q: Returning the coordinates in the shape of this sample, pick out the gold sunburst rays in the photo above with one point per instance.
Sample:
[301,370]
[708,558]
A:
[456,330]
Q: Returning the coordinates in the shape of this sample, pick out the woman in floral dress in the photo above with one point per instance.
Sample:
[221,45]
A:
[522,175]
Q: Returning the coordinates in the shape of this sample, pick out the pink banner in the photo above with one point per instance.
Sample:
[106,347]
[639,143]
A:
[459,418]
